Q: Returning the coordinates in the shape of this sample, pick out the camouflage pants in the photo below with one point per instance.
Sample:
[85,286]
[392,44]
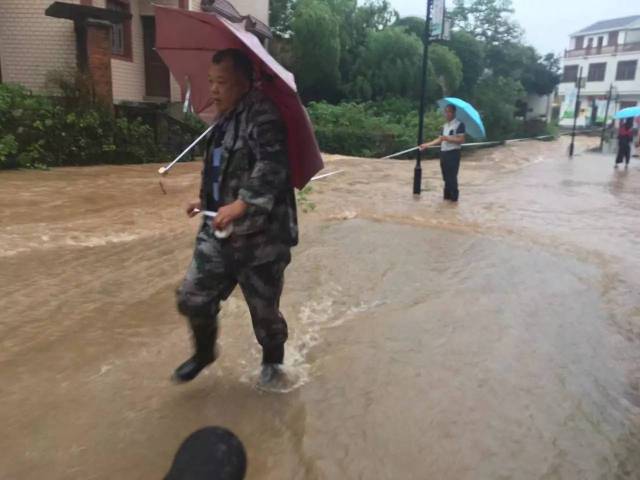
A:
[219,265]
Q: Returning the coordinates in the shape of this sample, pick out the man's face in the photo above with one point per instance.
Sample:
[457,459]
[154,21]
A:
[449,114]
[227,86]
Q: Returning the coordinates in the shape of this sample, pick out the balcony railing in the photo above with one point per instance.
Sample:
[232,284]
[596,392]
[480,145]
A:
[608,50]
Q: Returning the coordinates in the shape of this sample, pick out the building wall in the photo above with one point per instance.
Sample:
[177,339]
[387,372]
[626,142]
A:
[628,91]
[633,36]
[257,8]
[129,76]
[600,88]
[538,106]
[32,44]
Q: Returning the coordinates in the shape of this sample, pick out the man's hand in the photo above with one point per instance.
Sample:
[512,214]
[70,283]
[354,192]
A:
[432,143]
[192,207]
[229,213]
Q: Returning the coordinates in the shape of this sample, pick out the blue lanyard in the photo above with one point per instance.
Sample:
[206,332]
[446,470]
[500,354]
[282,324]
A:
[216,157]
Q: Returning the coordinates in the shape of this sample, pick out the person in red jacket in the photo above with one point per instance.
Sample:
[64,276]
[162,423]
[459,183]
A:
[625,139]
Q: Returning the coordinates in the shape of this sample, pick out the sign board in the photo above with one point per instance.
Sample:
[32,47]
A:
[568,105]
[437,20]
[447,29]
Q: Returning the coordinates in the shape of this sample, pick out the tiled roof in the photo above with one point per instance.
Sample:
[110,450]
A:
[613,24]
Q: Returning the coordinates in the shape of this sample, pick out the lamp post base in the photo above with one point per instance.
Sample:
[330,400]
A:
[417,181]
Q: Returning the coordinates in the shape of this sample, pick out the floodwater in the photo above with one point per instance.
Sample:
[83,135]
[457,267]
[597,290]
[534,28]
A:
[494,339]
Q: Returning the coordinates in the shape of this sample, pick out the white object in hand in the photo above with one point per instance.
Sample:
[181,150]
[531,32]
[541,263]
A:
[221,234]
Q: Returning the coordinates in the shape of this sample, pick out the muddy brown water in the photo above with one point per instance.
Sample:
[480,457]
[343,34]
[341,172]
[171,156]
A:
[494,339]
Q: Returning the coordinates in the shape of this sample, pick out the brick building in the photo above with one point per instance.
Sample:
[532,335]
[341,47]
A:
[118,36]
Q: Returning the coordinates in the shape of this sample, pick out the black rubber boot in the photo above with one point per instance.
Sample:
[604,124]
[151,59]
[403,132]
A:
[273,354]
[204,337]
[272,359]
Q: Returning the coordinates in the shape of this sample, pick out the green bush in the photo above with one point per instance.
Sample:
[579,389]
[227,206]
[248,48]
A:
[8,151]
[370,129]
[534,128]
[195,123]
[37,131]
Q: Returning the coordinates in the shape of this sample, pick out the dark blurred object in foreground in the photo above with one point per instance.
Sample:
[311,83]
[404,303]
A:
[212,453]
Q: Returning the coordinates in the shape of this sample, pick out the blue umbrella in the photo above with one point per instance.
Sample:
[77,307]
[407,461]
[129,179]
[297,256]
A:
[467,115]
[630,112]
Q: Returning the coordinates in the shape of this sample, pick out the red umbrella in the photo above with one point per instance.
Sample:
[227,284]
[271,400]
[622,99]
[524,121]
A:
[186,41]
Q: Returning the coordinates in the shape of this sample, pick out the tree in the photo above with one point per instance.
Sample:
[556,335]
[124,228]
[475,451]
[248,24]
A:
[376,14]
[413,25]
[543,76]
[537,74]
[447,68]
[316,49]
[496,98]
[471,53]
[389,66]
[355,24]
[281,16]
[487,20]
[509,59]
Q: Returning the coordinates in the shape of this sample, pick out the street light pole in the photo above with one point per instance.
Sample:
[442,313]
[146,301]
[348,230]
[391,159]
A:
[417,173]
[575,114]
[606,117]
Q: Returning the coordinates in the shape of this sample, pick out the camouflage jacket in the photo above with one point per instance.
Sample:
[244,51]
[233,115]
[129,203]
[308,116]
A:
[255,168]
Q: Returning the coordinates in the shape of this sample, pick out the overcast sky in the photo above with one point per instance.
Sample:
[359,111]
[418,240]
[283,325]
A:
[548,23]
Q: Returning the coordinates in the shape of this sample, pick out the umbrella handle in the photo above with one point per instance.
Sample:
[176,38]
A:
[164,170]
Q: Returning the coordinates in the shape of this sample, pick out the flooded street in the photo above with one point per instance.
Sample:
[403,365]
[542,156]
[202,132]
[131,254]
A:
[494,339]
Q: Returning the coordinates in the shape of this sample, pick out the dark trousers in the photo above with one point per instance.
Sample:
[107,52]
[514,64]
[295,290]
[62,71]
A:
[450,165]
[624,151]
[217,267]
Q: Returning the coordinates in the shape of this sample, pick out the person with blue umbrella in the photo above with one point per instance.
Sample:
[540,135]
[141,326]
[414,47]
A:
[625,134]
[625,139]
[461,118]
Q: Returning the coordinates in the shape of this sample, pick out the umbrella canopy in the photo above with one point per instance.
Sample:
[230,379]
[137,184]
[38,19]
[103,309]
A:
[186,41]
[466,114]
[630,112]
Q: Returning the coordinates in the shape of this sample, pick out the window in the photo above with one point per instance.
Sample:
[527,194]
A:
[597,72]
[627,70]
[613,38]
[590,43]
[579,43]
[600,42]
[121,33]
[570,74]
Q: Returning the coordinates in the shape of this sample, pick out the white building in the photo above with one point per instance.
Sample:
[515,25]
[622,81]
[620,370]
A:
[607,55]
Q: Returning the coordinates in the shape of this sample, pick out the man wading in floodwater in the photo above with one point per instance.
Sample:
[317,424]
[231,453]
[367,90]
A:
[450,145]
[245,179]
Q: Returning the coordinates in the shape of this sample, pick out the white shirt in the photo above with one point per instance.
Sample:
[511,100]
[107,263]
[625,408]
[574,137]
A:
[454,127]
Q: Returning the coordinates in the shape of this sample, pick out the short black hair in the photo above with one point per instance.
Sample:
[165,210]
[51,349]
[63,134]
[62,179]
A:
[240,60]
[453,108]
